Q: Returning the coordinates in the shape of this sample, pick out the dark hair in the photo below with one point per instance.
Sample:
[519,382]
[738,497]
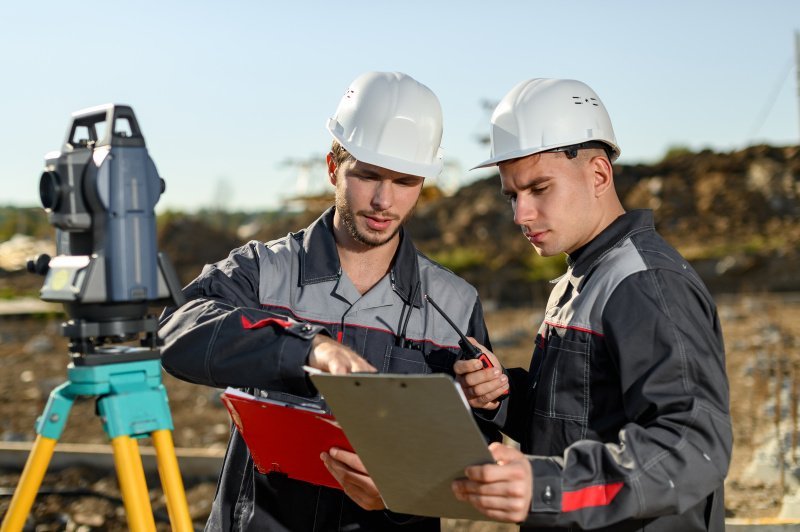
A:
[340,155]
[572,151]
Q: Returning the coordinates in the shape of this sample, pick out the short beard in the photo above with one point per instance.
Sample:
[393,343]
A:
[349,220]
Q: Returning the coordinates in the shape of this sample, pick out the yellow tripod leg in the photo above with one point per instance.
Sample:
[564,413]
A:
[171,481]
[130,472]
[29,482]
[141,484]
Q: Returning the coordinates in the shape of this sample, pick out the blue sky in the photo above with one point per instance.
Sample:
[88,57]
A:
[227,92]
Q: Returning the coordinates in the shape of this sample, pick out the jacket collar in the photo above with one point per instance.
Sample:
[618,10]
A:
[319,259]
[405,271]
[583,260]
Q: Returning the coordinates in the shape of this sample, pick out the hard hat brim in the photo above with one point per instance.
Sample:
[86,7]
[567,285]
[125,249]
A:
[494,161]
[395,164]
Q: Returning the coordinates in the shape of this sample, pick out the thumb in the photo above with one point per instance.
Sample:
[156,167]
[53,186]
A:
[477,344]
[492,356]
[503,453]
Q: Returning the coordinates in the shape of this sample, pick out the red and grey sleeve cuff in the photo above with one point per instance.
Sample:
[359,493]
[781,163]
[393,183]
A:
[294,347]
[551,497]
[294,355]
[546,485]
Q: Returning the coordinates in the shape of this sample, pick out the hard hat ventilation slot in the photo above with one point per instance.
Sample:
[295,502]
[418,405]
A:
[577,101]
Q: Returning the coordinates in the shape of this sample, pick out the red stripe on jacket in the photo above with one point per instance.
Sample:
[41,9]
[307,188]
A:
[247,324]
[592,496]
[574,328]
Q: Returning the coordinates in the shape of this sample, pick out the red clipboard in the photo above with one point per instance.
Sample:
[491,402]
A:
[286,439]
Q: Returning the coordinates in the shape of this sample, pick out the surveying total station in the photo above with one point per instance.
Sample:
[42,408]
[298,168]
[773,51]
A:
[100,192]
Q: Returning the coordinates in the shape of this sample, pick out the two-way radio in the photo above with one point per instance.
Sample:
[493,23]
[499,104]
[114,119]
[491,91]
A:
[469,350]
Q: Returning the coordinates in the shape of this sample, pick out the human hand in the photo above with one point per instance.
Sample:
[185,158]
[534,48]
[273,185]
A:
[501,491]
[350,473]
[482,386]
[331,356]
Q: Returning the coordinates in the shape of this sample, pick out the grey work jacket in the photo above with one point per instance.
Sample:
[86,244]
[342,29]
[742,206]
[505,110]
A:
[249,322]
[624,409]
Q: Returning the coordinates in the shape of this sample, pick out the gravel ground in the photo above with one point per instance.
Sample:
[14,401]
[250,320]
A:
[762,336]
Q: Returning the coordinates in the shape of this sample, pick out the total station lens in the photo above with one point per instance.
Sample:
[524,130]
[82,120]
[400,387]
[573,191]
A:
[50,190]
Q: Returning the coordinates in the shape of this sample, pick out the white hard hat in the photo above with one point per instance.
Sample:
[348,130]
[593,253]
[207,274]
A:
[540,115]
[391,120]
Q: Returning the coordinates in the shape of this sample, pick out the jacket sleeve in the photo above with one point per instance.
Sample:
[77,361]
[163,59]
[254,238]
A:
[222,337]
[663,334]
[477,325]
[511,416]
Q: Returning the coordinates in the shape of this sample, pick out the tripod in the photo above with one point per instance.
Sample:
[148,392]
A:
[132,403]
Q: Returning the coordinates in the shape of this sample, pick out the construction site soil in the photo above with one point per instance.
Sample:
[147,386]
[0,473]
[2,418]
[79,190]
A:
[761,336]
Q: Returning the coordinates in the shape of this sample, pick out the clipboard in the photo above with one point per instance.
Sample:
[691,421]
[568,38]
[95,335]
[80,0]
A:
[286,438]
[415,434]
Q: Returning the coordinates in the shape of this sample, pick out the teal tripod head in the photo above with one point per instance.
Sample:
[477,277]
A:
[100,192]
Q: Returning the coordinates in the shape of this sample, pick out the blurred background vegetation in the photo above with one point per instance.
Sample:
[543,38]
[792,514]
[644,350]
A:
[735,216]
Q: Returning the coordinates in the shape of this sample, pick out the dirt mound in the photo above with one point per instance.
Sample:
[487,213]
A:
[735,216]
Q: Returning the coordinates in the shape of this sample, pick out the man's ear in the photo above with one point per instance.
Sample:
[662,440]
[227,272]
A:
[603,175]
[331,161]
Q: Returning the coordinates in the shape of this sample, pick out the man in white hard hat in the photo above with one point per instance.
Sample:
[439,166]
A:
[623,416]
[342,295]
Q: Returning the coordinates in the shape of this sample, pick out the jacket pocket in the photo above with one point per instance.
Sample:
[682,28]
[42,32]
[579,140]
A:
[441,361]
[402,360]
[564,379]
